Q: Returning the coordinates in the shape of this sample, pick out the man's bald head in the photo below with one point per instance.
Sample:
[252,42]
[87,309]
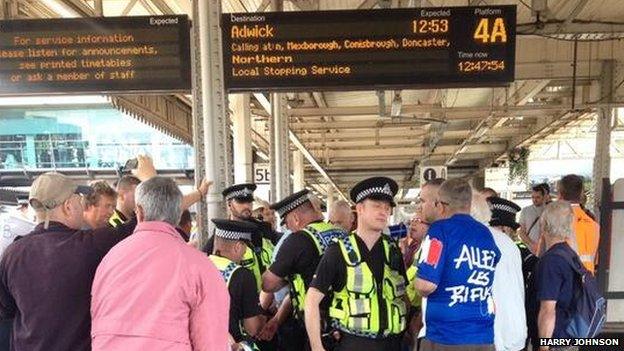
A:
[340,215]
[428,197]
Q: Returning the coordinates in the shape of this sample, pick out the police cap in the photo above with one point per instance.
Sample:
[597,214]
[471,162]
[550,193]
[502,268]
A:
[375,188]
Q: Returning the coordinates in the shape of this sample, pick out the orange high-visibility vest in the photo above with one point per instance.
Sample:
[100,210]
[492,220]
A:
[587,233]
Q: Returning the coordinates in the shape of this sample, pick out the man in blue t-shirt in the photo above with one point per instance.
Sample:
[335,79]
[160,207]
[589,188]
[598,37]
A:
[455,274]
[555,276]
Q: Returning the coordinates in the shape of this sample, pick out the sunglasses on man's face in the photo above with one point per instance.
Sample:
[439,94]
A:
[418,220]
[441,202]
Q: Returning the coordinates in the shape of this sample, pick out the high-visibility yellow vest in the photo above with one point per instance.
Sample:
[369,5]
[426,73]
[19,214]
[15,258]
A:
[227,268]
[412,294]
[266,254]
[322,234]
[116,219]
[357,308]
[257,260]
[251,261]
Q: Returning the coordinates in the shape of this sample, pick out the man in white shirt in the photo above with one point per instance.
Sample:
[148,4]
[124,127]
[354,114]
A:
[510,328]
[16,222]
[529,231]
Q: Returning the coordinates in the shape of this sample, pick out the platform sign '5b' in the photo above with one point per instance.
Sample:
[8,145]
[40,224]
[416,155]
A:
[262,173]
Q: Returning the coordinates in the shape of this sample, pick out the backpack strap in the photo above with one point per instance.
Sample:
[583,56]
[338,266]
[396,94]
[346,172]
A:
[532,225]
[575,263]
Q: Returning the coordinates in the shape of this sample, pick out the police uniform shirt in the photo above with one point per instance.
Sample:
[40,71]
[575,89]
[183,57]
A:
[297,255]
[331,275]
[244,301]
[265,232]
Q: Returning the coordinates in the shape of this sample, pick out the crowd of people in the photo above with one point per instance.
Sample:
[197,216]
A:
[117,268]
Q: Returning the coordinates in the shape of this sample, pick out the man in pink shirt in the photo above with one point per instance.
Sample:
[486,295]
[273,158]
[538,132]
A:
[153,291]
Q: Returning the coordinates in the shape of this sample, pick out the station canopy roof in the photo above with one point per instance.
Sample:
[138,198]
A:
[465,129]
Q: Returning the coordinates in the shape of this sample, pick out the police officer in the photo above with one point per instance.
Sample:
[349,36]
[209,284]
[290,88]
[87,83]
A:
[364,275]
[257,257]
[299,255]
[246,319]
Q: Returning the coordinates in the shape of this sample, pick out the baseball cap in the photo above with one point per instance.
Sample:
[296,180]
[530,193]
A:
[51,189]
[259,203]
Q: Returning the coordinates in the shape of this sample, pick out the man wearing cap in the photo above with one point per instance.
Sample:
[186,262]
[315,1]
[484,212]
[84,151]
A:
[46,276]
[246,318]
[510,324]
[364,275]
[299,255]
[263,212]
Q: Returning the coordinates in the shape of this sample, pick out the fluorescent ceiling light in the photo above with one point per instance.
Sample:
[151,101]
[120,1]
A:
[53,100]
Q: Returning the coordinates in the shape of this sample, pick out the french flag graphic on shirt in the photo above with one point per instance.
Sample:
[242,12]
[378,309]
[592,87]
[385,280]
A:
[431,251]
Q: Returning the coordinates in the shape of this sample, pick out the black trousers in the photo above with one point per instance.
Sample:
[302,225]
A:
[355,343]
[292,336]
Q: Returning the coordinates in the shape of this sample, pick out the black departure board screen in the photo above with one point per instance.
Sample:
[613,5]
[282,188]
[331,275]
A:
[362,49]
[81,55]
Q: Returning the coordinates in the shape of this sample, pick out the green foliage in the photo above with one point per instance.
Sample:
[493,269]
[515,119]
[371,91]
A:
[519,165]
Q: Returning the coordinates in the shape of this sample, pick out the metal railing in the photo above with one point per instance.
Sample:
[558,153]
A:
[55,154]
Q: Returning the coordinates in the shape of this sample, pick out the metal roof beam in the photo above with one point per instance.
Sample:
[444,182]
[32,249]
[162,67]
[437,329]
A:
[572,16]
[363,124]
[362,143]
[162,6]
[310,157]
[305,5]
[367,4]
[129,6]
[316,138]
[78,6]
[451,113]
[295,140]
[574,27]
[369,152]
[263,5]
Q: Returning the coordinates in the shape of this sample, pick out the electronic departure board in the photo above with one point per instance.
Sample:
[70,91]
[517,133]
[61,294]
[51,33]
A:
[362,49]
[79,55]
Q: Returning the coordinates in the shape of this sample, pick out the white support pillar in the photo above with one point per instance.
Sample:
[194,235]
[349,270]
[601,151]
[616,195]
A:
[602,158]
[331,199]
[98,8]
[243,158]
[280,157]
[298,171]
[212,159]
[8,9]
[278,122]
